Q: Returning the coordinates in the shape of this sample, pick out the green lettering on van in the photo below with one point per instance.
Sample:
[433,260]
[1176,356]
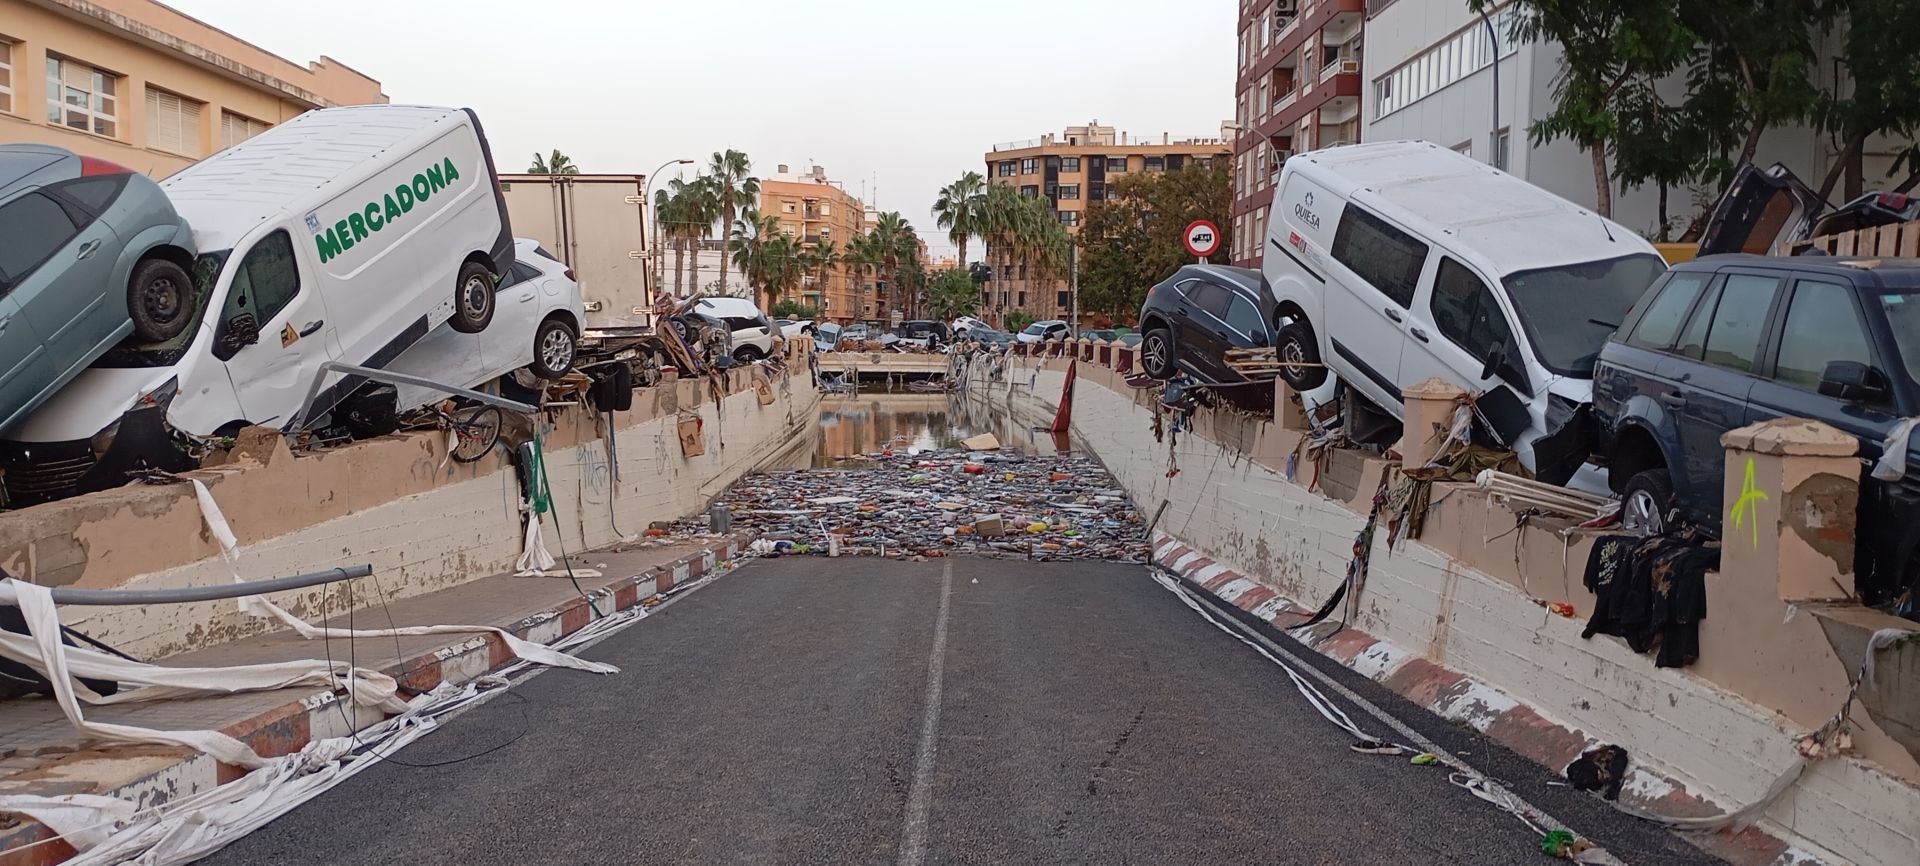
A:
[393,210]
[435,180]
[329,245]
[359,225]
[346,234]
[452,173]
[405,194]
[374,221]
[422,189]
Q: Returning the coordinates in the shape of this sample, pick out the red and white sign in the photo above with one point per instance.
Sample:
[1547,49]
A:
[1203,238]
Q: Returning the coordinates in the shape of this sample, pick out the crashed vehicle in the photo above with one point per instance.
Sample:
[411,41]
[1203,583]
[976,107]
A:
[1401,261]
[924,334]
[1192,318]
[1770,211]
[345,234]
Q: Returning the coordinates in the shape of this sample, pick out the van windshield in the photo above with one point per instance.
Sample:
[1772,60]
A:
[1569,311]
[131,353]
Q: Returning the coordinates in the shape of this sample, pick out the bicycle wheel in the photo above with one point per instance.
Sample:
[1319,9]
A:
[475,432]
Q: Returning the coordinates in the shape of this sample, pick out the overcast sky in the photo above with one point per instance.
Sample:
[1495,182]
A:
[912,92]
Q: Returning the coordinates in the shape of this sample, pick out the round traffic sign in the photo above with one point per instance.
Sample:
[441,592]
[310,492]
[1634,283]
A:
[1203,237]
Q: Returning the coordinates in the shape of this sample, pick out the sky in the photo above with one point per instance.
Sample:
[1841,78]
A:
[901,95]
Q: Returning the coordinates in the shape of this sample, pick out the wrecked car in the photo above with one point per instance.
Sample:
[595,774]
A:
[1396,262]
[345,234]
[1192,318]
[1728,341]
[1770,212]
[90,254]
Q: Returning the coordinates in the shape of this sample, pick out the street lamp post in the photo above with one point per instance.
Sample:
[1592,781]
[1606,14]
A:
[1493,134]
[653,241]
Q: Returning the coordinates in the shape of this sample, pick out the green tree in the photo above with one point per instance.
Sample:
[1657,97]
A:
[819,262]
[896,251]
[951,294]
[558,163]
[1017,320]
[686,211]
[959,208]
[733,187]
[1877,93]
[788,308]
[1137,237]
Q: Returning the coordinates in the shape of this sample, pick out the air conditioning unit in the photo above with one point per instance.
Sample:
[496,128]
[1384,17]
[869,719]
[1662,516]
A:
[1287,7]
[1349,66]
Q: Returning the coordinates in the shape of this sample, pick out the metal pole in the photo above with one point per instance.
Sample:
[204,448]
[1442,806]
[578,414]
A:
[393,378]
[1493,133]
[652,244]
[130,597]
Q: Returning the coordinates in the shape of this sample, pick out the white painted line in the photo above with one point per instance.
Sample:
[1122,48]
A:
[913,836]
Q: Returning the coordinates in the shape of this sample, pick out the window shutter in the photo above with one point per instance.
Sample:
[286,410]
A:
[173,123]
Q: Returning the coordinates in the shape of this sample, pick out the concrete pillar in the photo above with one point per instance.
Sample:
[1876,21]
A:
[1791,494]
[1288,411]
[1429,415]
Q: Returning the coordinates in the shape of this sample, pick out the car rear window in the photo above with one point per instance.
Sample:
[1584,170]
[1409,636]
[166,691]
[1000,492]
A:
[94,193]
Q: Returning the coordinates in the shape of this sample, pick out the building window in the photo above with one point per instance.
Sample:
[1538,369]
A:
[1097,192]
[1064,300]
[1006,273]
[1053,191]
[1029,165]
[82,97]
[1023,273]
[6,76]
[1116,164]
[788,207]
[1156,163]
[1030,191]
[235,129]
[1502,150]
[1069,191]
[1023,299]
[1007,168]
[1464,148]
[1069,218]
[1070,164]
[173,123]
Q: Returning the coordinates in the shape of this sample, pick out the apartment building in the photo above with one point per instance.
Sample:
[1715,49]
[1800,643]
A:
[818,211]
[1072,170]
[1298,89]
[137,83]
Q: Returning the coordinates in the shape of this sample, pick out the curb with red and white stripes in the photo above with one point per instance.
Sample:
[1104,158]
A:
[1456,697]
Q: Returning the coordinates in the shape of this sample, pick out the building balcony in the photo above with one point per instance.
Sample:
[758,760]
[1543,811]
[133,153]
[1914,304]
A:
[1286,101]
[1339,67]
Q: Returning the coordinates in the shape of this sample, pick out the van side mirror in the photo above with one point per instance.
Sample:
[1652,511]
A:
[236,333]
[1496,359]
[1853,381]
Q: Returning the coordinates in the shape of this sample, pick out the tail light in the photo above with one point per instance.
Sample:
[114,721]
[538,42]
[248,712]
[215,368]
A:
[1893,200]
[570,275]
[96,167]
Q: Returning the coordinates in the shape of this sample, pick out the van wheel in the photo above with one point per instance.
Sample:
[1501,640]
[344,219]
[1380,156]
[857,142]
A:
[1643,507]
[1156,353]
[473,298]
[748,354]
[553,349]
[160,300]
[1297,345]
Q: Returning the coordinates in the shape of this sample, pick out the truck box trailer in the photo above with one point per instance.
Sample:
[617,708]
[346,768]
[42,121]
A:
[597,225]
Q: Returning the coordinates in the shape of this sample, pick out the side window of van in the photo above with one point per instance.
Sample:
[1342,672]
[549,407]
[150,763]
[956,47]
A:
[1386,257]
[1466,311]
[267,280]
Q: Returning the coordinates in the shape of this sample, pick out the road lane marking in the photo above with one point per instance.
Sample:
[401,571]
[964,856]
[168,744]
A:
[913,836]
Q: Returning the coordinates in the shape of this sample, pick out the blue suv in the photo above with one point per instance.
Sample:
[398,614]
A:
[1727,341]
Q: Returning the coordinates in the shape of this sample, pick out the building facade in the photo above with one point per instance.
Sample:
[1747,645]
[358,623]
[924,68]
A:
[137,83]
[1298,89]
[1073,170]
[820,213]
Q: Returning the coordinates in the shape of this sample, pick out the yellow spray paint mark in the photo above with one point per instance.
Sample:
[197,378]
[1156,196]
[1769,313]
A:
[1748,505]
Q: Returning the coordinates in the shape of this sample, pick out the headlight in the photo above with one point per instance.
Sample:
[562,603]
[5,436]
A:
[163,395]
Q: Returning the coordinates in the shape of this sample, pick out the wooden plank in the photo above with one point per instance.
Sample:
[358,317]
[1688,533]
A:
[1888,240]
[1909,240]
[1846,243]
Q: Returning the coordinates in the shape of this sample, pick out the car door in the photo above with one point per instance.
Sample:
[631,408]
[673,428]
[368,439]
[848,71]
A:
[38,237]
[1455,325]
[1712,372]
[1202,315]
[82,307]
[1378,269]
[507,343]
[62,263]
[270,332]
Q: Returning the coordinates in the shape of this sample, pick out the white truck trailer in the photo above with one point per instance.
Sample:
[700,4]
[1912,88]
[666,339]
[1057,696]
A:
[597,225]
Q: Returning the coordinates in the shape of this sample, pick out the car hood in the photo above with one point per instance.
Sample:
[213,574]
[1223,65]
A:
[94,399]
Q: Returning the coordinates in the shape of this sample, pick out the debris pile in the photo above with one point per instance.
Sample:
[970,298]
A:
[939,503]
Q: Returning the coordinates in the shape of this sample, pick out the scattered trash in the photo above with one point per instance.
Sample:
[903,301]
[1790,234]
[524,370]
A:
[941,503]
[1376,747]
[982,442]
[1603,769]
[1425,759]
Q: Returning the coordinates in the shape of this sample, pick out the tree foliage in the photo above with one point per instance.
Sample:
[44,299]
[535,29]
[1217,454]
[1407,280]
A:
[788,308]
[951,294]
[1138,237]
[558,163]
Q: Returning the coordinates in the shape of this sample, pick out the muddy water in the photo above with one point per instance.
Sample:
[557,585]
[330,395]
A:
[870,423]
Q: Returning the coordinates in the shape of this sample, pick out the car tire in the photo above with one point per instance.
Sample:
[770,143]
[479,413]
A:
[1157,352]
[1645,502]
[554,348]
[1298,345]
[474,297]
[748,354]
[159,299]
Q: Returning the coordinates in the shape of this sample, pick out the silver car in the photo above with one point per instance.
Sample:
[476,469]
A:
[92,253]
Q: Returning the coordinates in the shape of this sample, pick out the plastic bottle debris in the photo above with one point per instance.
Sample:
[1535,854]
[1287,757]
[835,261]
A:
[943,503]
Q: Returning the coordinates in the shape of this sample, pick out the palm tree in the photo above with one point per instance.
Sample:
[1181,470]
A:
[857,260]
[820,262]
[781,265]
[959,210]
[686,210]
[558,163]
[895,244]
[999,221]
[733,187]
[767,256]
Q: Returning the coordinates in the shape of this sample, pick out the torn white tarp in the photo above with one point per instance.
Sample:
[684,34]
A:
[1893,452]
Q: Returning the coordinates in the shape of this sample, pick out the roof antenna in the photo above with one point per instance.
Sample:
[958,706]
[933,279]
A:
[1605,228]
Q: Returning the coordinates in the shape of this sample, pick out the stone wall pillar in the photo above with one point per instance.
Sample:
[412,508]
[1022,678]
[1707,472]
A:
[1789,507]
[1429,415]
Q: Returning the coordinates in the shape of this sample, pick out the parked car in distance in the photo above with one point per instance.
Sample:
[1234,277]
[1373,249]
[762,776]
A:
[1132,339]
[826,337]
[856,332]
[1039,332]
[1727,341]
[1106,334]
[924,333]
[1192,318]
[989,337]
[90,253]
[962,324]
[541,314]
[1396,262]
[794,329]
[752,331]
[344,234]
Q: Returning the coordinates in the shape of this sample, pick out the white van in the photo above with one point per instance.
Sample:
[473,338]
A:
[1399,261]
[344,234]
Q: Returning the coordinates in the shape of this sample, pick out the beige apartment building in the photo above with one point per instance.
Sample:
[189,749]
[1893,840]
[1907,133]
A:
[817,211]
[1073,170]
[137,83]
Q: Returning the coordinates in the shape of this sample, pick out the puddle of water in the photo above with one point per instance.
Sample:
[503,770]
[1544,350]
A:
[869,423]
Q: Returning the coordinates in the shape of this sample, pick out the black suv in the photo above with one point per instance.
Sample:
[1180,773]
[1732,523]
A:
[1192,318]
[1727,341]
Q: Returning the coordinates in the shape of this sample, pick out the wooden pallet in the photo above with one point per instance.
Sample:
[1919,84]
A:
[1261,362]
[1883,241]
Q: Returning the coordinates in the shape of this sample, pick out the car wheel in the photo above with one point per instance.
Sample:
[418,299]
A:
[473,298]
[160,300]
[553,349]
[1644,505]
[748,354]
[1297,345]
[1156,353]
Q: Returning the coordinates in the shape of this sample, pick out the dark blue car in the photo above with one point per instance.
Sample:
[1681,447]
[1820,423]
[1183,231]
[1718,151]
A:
[1727,341]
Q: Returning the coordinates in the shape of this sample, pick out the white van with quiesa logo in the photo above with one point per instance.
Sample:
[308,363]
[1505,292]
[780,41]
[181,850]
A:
[1401,261]
[344,234]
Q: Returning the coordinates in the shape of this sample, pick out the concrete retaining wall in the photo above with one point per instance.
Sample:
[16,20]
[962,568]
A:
[1458,622]
[424,522]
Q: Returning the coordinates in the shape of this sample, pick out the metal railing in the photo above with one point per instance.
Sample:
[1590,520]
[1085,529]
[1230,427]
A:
[1018,145]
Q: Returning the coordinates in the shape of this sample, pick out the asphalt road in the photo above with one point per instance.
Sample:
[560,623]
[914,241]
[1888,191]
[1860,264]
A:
[781,715]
